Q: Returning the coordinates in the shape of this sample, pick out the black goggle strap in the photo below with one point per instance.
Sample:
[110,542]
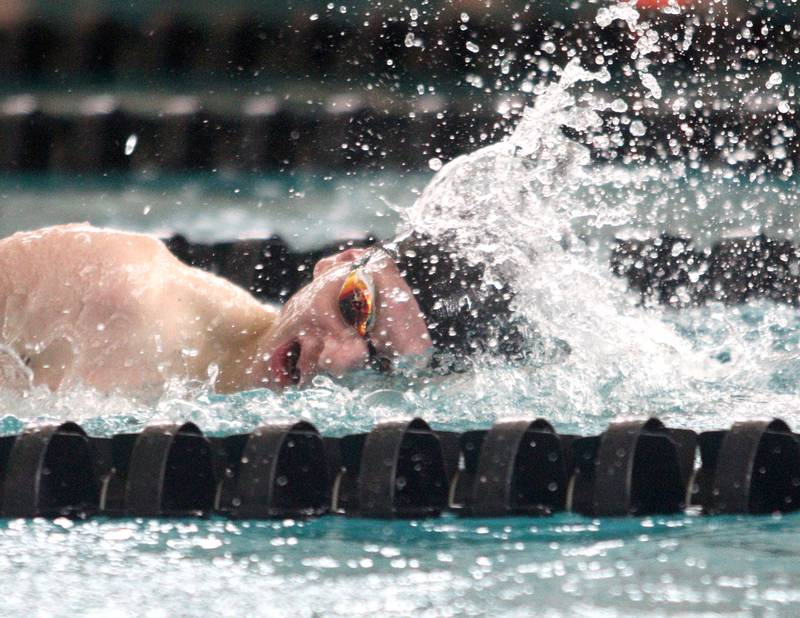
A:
[379,363]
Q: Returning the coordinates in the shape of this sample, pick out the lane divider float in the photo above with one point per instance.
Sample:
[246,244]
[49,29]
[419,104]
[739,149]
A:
[401,469]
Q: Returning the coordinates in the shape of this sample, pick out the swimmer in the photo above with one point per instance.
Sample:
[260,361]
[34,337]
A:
[116,311]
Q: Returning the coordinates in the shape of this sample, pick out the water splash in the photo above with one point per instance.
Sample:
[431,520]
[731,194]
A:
[647,38]
[511,206]
[516,206]
[513,184]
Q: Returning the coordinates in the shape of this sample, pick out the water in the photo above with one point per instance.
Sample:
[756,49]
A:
[704,368]
[307,211]
[538,211]
[340,567]
[335,567]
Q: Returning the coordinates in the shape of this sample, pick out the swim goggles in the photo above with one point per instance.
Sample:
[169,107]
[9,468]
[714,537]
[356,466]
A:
[358,306]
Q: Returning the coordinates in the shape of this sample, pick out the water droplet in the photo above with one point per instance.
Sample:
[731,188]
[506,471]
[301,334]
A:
[776,79]
[649,82]
[130,144]
[637,128]
[619,106]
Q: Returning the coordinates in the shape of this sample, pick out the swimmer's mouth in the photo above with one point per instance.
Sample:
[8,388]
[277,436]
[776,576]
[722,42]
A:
[284,365]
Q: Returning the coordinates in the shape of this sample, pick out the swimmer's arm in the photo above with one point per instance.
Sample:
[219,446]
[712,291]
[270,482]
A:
[63,270]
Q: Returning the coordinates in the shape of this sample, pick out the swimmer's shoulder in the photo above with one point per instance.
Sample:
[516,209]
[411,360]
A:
[83,239]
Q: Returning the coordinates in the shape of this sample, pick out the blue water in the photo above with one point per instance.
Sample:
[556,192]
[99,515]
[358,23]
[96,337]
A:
[736,362]
[562,565]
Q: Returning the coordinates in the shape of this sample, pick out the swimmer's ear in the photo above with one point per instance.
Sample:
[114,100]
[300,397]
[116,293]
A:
[345,257]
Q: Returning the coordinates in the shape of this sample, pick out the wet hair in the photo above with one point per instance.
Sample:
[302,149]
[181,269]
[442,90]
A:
[465,313]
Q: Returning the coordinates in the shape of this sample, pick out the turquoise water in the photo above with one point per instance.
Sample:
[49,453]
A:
[562,565]
[723,363]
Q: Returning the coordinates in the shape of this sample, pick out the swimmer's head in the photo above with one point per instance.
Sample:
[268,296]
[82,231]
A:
[465,313]
[356,312]
[410,298]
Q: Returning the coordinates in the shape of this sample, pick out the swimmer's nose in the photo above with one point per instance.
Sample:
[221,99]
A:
[340,355]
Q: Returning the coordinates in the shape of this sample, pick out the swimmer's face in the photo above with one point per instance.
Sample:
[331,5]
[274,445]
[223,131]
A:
[312,336]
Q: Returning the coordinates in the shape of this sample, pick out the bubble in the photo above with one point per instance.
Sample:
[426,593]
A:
[435,163]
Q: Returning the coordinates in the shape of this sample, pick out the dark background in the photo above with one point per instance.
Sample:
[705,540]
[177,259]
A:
[240,87]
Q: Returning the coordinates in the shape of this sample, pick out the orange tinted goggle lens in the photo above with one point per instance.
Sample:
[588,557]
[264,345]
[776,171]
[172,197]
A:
[357,301]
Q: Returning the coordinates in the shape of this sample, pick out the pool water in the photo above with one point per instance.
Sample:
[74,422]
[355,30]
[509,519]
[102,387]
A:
[563,565]
[713,365]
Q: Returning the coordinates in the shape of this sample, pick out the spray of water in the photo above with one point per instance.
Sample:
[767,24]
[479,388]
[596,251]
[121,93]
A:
[511,206]
[514,206]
